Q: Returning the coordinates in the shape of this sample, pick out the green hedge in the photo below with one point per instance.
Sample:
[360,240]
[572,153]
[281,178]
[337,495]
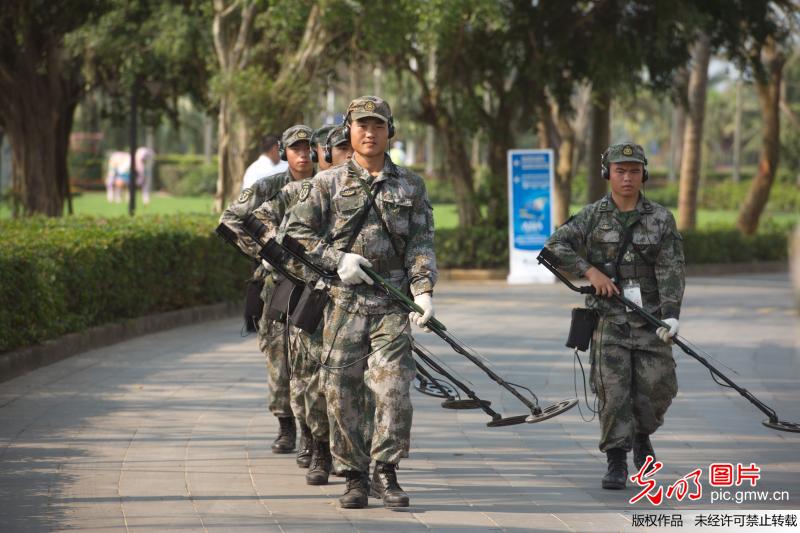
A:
[485,247]
[185,175]
[63,275]
[783,197]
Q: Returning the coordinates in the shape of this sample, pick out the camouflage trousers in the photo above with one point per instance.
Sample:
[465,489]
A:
[272,343]
[633,374]
[307,398]
[367,374]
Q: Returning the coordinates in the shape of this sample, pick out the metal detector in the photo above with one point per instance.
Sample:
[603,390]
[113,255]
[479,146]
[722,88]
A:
[550,261]
[537,414]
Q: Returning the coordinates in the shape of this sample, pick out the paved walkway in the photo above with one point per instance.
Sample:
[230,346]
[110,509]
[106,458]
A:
[170,431]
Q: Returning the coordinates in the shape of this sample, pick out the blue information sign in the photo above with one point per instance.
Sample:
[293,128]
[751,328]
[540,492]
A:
[530,185]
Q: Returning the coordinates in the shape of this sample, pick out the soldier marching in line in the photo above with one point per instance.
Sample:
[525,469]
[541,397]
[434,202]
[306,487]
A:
[369,212]
[627,241]
[295,149]
[307,397]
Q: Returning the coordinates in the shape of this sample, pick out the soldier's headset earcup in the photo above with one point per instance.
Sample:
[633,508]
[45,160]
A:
[391,127]
[281,151]
[328,153]
[645,174]
[314,154]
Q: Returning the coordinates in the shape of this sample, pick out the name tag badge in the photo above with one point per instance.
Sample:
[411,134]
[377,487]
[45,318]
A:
[633,292]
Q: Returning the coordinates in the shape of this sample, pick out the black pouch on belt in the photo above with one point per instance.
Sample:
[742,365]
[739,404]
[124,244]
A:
[253,305]
[307,313]
[283,299]
[581,328]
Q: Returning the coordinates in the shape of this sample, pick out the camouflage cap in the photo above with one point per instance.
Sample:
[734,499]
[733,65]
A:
[321,134]
[625,152]
[336,137]
[369,106]
[295,134]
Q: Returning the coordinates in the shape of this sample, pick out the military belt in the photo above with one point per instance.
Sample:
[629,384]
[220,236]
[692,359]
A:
[636,271]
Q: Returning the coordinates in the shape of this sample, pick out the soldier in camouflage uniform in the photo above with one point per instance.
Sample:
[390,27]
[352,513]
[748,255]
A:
[318,146]
[627,242]
[307,398]
[294,149]
[366,335]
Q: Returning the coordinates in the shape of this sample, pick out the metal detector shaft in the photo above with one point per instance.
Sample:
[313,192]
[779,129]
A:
[483,404]
[548,260]
[264,253]
[298,251]
[427,375]
[689,351]
[535,409]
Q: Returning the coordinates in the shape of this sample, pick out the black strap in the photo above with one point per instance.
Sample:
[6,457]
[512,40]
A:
[364,215]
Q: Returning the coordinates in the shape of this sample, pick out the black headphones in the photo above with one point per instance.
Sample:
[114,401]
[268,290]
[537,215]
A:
[605,172]
[346,126]
[327,153]
[314,155]
[281,151]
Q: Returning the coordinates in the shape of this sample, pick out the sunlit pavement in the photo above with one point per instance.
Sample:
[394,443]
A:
[170,431]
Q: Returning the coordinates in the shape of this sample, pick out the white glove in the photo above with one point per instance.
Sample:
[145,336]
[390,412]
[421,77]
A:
[425,301]
[267,266]
[666,334]
[350,271]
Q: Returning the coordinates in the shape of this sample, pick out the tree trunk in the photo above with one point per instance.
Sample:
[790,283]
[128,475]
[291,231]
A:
[458,164]
[564,168]
[600,119]
[676,141]
[678,122]
[693,136]
[40,91]
[737,134]
[232,28]
[499,143]
[232,153]
[769,90]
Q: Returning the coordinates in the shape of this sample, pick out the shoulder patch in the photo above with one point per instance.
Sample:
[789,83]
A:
[350,192]
[245,195]
[305,190]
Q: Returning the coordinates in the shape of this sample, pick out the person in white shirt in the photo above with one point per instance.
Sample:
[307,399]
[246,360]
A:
[268,163]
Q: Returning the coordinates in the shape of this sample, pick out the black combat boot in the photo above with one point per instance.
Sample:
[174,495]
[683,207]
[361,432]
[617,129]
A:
[641,449]
[355,496]
[287,436]
[385,486]
[321,464]
[306,449]
[617,473]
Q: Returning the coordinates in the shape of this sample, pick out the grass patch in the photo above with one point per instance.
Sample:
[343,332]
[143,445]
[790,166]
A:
[95,204]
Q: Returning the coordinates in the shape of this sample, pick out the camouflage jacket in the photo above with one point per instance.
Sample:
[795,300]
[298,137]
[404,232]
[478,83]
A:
[328,212]
[654,257]
[273,212]
[250,199]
